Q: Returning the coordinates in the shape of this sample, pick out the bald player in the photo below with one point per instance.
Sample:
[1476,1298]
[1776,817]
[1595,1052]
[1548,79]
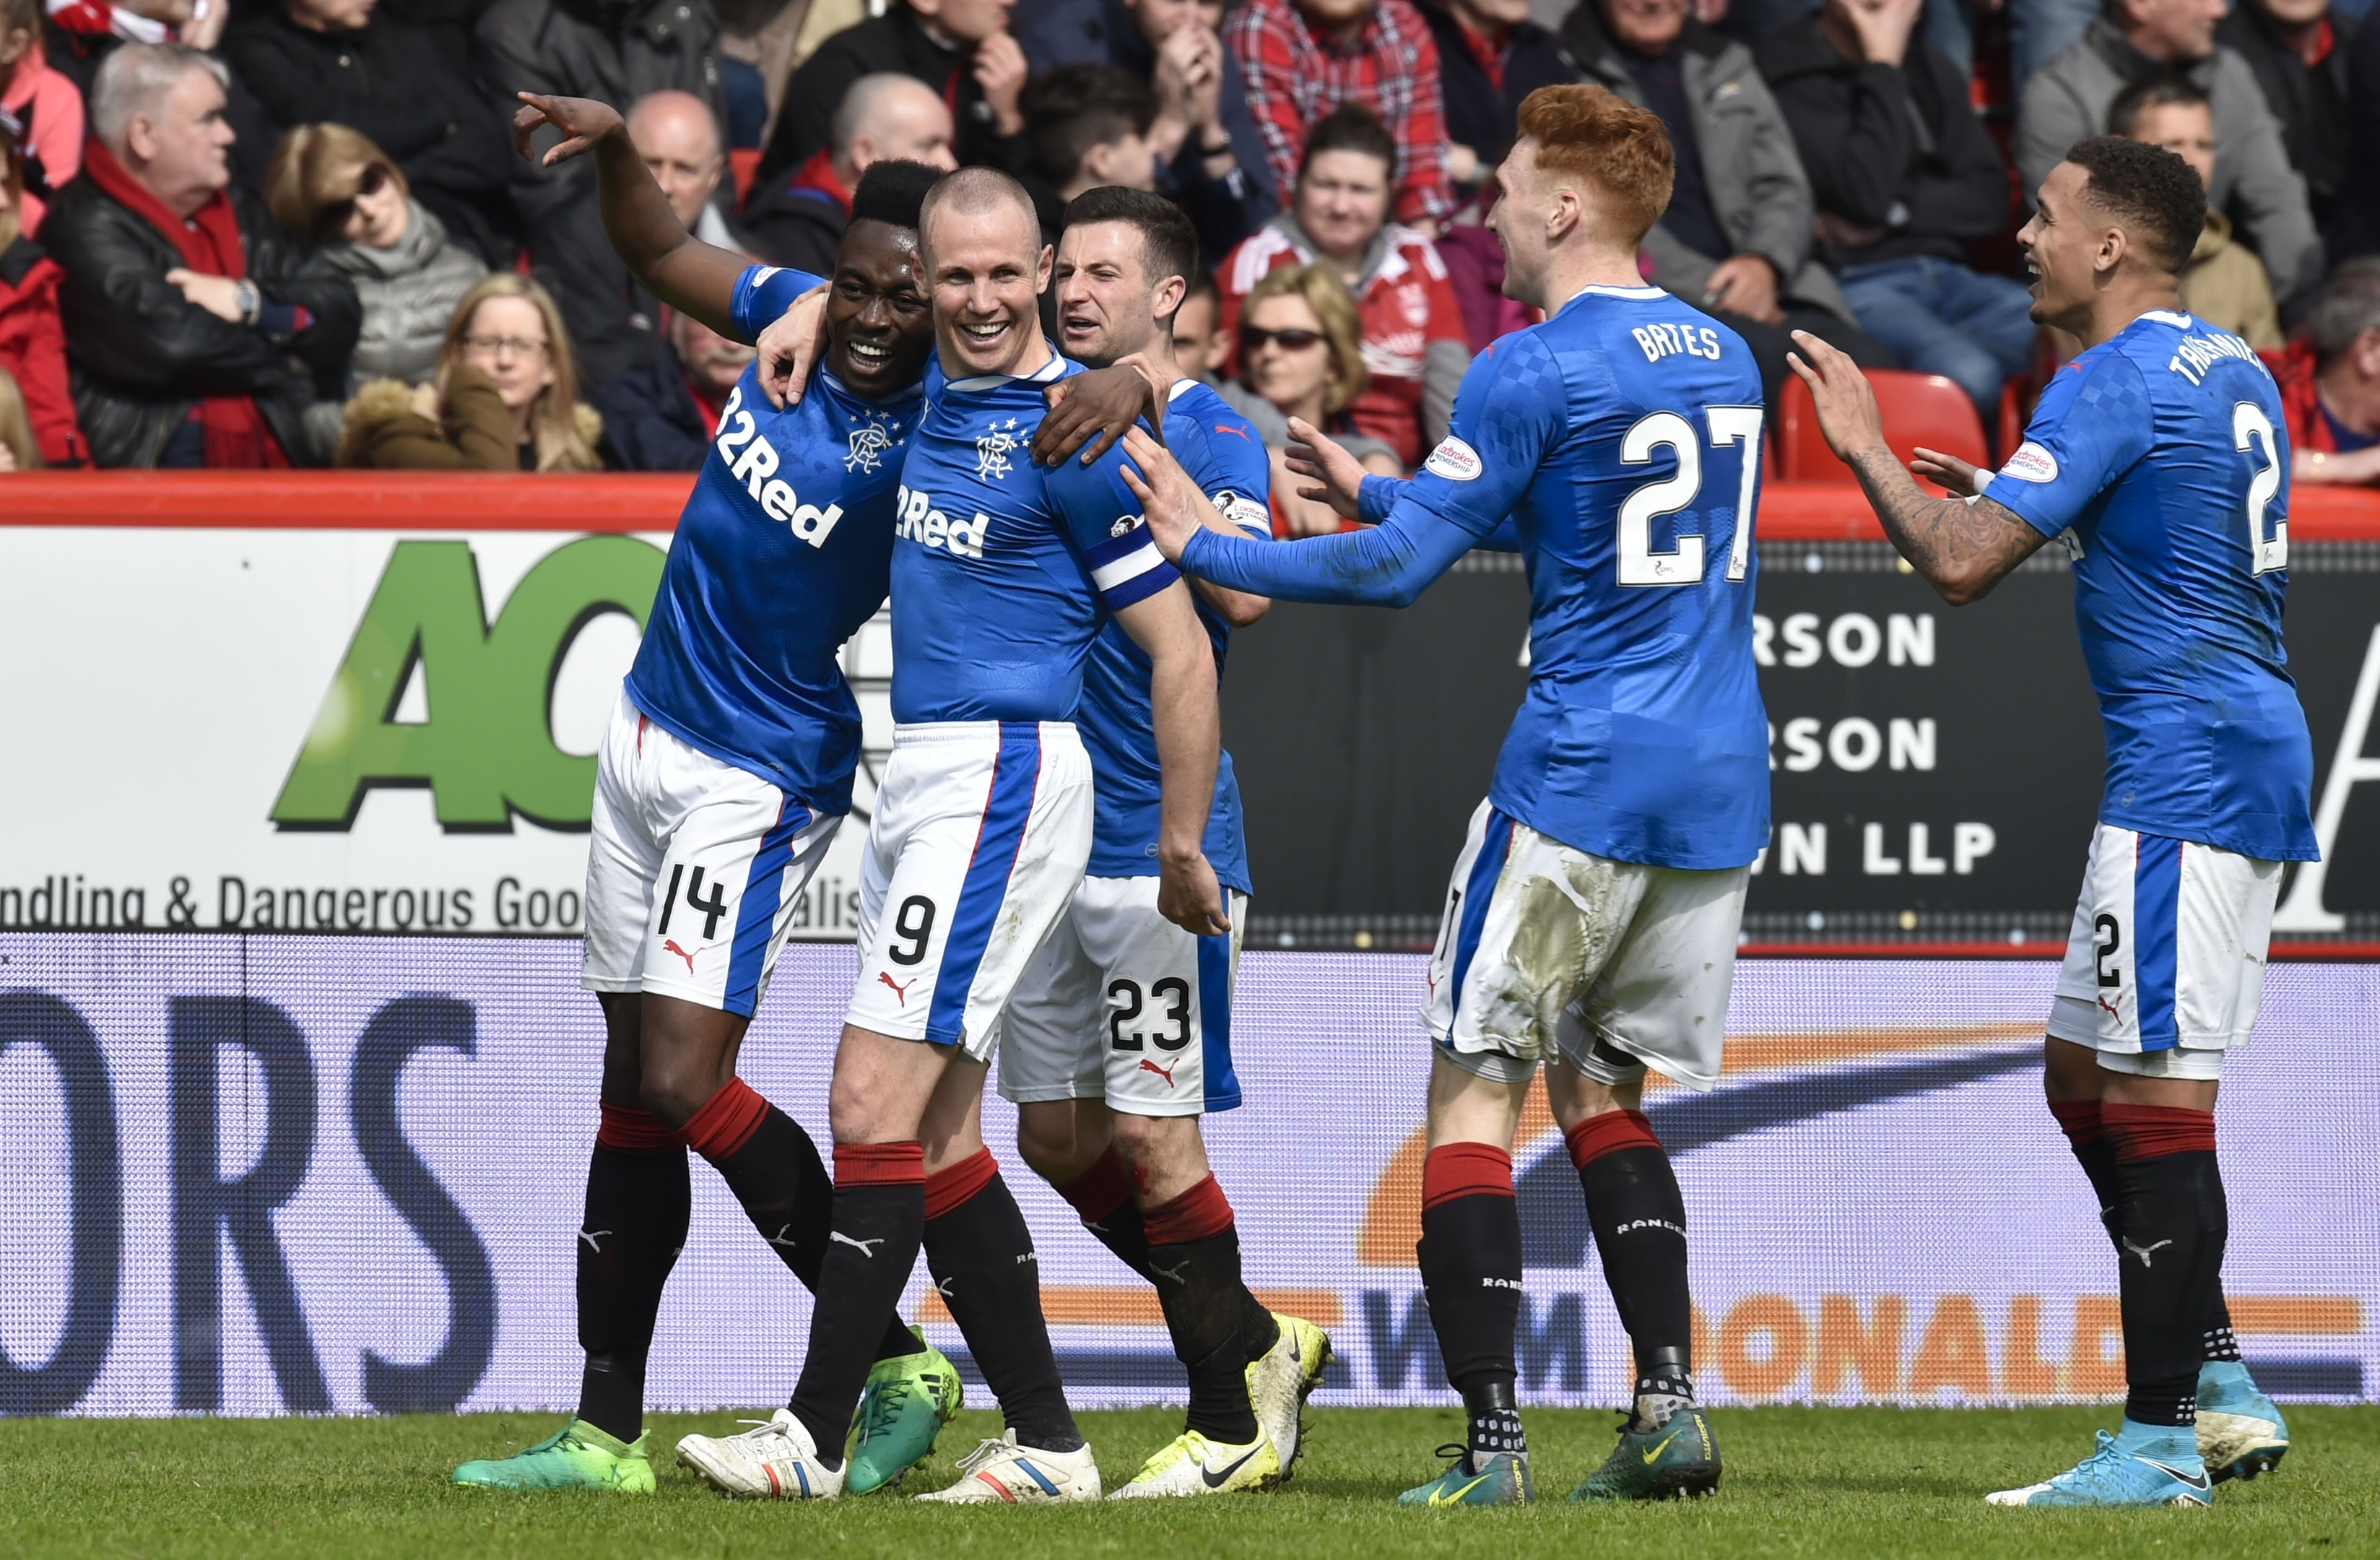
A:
[1003,575]
[798,220]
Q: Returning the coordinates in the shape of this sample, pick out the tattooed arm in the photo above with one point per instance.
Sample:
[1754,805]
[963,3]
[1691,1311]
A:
[1963,548]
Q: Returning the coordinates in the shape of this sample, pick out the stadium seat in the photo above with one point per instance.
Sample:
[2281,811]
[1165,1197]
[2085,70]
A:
[744,162]
[1919,409]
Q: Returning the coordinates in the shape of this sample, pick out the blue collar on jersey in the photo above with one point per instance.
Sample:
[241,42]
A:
[974,383]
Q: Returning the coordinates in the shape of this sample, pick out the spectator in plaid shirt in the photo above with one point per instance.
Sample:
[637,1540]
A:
[1303,58]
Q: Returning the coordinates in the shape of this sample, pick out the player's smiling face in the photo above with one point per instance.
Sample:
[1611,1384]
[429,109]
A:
[987,275]
[1106,307]
[2060,246]
[878,325]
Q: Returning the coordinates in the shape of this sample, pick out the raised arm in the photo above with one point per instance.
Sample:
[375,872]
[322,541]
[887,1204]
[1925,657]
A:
[674,266]
[1962,547]
[1189,738]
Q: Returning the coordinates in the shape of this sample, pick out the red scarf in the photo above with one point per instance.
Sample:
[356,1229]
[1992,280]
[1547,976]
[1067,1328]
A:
[818,174]
[210,244]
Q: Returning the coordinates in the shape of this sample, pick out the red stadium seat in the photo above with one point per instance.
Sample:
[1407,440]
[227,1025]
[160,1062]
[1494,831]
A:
[1919,409]
[744,162]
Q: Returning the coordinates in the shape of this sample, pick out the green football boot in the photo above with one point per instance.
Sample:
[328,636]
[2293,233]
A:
[1502,1481]
[577,1456]
[1680,1459]
[907,1401]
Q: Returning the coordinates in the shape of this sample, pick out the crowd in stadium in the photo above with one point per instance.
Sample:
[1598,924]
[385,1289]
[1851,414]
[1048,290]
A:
[293,233]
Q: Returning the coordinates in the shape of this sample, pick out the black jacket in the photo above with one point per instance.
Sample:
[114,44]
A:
[388,79]
[650,422]
[1899,149]
[898,41]
[2355,217]
[2309,102]
[142,355]
[797,226]
[616,53]
[1477,115]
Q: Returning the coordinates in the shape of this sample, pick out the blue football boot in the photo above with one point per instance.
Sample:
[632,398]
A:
[2142,1465]
[2241,1432]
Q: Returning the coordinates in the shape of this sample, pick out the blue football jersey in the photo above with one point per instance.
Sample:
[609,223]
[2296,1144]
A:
[1622,437]
[781,554]
[1004,572]
[2159,456]
[1227,459]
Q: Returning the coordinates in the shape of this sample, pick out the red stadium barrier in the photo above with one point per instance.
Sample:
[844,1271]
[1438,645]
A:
[508,501]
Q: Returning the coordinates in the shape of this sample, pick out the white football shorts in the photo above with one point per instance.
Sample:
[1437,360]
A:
[1613,966]
[980,835]
[693,867]
[1121,1005]
[2164,967]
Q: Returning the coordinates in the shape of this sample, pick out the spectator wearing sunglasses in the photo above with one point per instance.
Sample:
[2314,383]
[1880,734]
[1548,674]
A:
[310,62]
[332,187]
[1301,354]
[1415,346]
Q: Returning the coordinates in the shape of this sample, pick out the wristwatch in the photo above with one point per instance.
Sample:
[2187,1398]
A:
[252,302]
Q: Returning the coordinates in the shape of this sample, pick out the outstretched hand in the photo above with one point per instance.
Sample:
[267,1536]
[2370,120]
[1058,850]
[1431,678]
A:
[1091,411]
[1946,470]
[1847,415]
[790,347]
[1313,454]
[1169,500]
[582,121]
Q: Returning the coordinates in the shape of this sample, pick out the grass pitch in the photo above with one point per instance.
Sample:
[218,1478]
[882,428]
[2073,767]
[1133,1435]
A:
[1800,1481]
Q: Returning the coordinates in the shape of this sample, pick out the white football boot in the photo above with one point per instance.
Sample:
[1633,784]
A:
[1002,1470]
[1282,1378]
[1192,1465]
[774,1460]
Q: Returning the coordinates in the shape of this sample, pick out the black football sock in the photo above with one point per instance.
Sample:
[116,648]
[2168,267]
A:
[1193,1249]
[982,1259]
[772,1167]
[638,1204]
[2171,1253]
[2086,1135]
[1639,1219]
[2219,1342]
[879,1221]
[1470,1256]
[1102,1198]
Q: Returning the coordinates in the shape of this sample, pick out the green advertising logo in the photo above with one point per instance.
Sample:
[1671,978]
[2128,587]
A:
[487,750]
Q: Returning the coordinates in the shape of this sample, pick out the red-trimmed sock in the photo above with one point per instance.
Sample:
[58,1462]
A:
[879,1221]
[772,1167]
[1470,1256]
[1103,1199]
[2169,1253]
[982,1259]
[1193,1251]
[638,1205]
[1639,1219]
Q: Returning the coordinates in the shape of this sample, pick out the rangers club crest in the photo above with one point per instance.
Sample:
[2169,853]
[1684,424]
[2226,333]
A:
[869,443]
[993,450]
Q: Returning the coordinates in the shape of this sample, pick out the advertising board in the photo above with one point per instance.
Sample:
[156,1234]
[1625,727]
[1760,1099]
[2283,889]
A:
[256,1174]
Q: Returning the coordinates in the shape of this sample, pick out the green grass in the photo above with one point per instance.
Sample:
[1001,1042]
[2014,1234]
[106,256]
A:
[1853,1482]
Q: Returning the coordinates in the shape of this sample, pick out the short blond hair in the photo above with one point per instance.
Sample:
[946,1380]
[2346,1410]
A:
[317,167]
[1343,325]
[1595,134]
[553,423]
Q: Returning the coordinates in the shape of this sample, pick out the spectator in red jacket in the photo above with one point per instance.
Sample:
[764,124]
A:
[32,341]
[2330,380]
[1303,58]
[1415,347]
[47,104]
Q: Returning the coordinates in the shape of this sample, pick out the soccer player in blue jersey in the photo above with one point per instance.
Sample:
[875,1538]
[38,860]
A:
[1592,920]
[2156,457]
[725,772]
[1002,576]
[1118,1036]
